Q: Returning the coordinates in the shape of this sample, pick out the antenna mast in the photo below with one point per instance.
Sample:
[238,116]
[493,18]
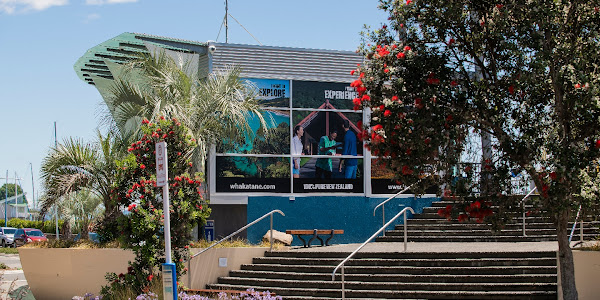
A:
[226,27]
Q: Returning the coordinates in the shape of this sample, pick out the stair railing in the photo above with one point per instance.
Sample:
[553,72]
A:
[382,204]
[523,205]
[233,234]
[341,265]
[580,227]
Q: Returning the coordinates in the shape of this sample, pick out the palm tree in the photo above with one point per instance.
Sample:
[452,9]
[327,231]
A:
[215,107]
[81,209]
[75,166]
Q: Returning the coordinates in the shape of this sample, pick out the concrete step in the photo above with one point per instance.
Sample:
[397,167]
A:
[313,293]
[472,232]
[493,270]
[329,284]
[412,255]
[468,239]
[432,262]
[439,278]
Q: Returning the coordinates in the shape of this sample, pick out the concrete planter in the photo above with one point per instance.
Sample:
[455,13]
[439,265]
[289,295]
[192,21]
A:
[63,273]
[587,272]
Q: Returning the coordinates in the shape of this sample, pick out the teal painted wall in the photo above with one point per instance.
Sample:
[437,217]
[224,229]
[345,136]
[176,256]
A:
[352,214]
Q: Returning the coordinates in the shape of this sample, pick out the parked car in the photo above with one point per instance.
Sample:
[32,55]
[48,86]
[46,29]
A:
[92,236]
[28,235]
[7,236]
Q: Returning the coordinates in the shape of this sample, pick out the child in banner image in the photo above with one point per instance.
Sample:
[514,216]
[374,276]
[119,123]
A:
[297,150]
[324,166]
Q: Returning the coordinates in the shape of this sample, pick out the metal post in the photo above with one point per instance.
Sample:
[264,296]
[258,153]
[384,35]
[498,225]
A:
[32,187]
[6,200]
[56,204]
[524,218]
[405,234]
[167,227]
[343,284]
[271,231]
[383,218]
[16,202]
[581,230]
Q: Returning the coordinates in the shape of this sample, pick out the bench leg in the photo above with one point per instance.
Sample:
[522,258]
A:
[328,239]
[303,241]
[313,238]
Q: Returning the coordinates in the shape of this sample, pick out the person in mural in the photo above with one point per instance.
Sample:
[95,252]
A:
[297,150]
[350,164]
[327,145]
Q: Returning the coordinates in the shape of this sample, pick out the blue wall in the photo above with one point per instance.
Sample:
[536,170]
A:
[352,214]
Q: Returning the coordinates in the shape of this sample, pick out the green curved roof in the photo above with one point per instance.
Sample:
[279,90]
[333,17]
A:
[124,47]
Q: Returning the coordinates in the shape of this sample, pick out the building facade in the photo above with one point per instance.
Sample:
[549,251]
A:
[307,88]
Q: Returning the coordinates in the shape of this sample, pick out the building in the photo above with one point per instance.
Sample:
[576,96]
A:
[15,207]
[305,87]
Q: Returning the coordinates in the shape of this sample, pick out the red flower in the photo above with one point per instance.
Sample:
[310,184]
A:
[401,55]
[387,113]
[451,41]
[407,48]
[453,83]
[145,121]
[377,127]
[394,98]
[597,144]
[352,72]
[511,90]
[499,6]
[366,98]
[553,175]
[577,85]
[449,118]
[386,70]
[150,277]
[418,103]
[142,166]
[356,101]
[131,206]
[408,2]
[462,218]
[406,170]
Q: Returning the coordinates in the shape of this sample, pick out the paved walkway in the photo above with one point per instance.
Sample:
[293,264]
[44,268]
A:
[437,247]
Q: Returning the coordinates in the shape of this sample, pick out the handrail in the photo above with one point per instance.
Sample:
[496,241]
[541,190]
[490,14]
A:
[366,242]
[390,198]
[580,227]
[231,235]
[523,204]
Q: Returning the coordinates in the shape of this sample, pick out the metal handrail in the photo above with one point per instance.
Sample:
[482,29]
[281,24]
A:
[231,235]
[580,227]
[390,198]
[523,204]
[366,242]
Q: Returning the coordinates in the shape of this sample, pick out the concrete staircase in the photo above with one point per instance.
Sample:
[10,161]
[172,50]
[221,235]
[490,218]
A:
[430,227]
[396,275]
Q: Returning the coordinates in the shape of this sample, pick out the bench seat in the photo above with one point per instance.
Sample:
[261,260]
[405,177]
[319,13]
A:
[315,235]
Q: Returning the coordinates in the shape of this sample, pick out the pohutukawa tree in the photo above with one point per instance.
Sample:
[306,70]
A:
[141,229]
[522,74]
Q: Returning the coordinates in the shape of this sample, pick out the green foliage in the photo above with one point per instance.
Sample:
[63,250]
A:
[9,188]
[9,251]
[443,74]
[142,228]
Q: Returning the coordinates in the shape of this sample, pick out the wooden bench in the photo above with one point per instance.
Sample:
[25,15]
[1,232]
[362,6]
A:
[315,235]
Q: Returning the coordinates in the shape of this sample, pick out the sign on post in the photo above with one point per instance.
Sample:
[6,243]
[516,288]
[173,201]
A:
[169,275]
[162,165]
[209,230]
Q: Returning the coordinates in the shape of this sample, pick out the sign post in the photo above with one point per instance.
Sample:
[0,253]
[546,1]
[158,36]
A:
[209,230]
[162,174]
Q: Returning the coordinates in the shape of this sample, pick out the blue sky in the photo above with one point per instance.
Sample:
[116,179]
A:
[40,40]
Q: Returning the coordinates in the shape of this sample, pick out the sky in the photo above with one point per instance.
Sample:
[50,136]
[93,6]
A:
[40,41]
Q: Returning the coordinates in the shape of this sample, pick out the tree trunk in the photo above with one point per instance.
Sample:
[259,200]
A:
[565,258]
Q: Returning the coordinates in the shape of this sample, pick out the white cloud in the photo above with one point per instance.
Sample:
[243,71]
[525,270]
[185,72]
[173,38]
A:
[91,17]
[102,2]
[15,6]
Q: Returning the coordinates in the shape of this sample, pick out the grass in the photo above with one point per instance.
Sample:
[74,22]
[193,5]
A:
[9,251]
[237,243]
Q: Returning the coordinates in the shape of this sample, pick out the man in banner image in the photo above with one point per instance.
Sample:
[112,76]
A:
[350,164]
[327,145]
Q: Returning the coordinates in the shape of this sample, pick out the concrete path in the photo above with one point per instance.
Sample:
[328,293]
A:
[437,247]
[13,280]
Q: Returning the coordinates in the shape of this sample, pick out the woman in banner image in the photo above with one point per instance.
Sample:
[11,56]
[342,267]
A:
[297,150]
[327,145]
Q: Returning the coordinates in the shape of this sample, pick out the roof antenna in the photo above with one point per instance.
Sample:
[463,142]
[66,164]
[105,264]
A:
[226,27]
